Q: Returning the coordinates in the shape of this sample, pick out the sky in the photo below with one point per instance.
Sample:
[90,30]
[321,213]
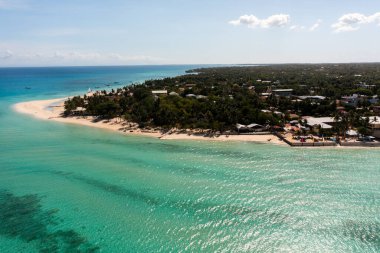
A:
[134,32]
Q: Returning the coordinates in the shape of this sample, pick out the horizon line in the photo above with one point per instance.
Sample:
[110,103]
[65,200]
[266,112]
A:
[196,64]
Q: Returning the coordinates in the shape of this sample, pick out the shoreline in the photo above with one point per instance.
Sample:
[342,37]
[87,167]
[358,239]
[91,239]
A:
[51,109]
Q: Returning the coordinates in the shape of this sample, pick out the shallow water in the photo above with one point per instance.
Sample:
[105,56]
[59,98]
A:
[67,188]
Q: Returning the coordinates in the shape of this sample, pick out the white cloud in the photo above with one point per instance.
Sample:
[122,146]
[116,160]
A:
[6,54]
[297,28]
[102,57]
[278,20]
[28,57]
[353,21]
[316,25]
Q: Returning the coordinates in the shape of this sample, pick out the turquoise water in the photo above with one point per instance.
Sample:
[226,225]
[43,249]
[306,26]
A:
[67,188]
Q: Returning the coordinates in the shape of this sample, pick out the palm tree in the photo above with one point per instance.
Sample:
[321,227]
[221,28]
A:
[337,120]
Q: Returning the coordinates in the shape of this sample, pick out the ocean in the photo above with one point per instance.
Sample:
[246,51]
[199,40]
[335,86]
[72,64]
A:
[66,188]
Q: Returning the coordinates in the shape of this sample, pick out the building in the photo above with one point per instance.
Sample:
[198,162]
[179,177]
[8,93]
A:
[374,124]
[350,100]
[365,86]
[325,123]
[190,85]
[283,92]
[354,99]
[312,98]
[376,109]
[173,93]
[250,128]
[374,99]
[201,97]
[159,92]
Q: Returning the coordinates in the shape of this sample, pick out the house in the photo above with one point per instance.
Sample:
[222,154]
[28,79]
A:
[325,123]
[312,98]
[350,100]
[283,92]
[280,114]
[173,93]
[201,97]
[160,92]
[250,128]
[293,116]
[374,100]
[351,133]
[374,124]
[365,86]
[265,95]
[190,85]
[376,109]
[78,111]
[354,99]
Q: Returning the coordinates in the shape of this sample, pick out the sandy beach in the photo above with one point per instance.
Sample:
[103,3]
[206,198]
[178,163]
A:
[52,109]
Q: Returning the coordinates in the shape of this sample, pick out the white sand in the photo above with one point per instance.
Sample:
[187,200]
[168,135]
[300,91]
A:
[52,110]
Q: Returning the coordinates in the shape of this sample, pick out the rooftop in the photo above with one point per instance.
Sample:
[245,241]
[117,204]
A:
[324,122]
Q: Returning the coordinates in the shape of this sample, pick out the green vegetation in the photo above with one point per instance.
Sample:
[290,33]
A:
[218,98]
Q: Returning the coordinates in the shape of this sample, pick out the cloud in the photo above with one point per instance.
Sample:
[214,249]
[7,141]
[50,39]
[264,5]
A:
[278,20]
[297,28]
[102,57]
[353,21]
[6,54]
[72,57]
[316,25]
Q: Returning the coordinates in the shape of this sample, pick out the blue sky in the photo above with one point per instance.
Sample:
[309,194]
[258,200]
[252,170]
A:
[98,32]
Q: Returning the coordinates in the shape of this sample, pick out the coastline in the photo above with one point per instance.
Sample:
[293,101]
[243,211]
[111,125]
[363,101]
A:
[51,109]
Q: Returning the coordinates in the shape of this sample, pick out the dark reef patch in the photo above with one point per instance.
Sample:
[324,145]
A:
[115,189]
[367,232]
[205,209]
[108,187]
[22,217]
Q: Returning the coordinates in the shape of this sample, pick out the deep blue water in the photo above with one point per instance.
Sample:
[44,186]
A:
[51,82]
